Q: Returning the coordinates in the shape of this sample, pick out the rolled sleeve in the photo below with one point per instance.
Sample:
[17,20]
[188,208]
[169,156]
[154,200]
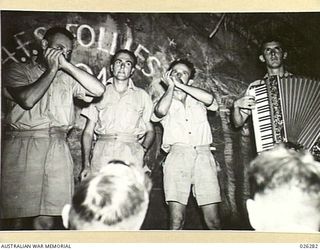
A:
[154,117]
[213,106]
[15,76]
[80,92]
[90,112]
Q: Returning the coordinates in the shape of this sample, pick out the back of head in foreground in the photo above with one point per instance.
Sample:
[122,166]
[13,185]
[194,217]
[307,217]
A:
[116,198]
[285,187]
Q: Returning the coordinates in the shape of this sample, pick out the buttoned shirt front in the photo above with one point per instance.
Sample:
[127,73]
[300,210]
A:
[54,109]
[185,124]
[124,113]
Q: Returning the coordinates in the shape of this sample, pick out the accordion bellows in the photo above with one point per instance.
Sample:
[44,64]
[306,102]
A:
[287,110]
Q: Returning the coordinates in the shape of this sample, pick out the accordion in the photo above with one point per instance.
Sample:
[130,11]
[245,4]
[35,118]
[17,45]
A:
[287,110]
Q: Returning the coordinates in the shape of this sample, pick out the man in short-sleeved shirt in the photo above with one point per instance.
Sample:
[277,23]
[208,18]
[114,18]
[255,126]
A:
[182,111]
[121,119]
[273,55]
[37,168]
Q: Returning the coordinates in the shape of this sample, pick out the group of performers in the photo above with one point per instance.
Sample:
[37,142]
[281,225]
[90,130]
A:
[36,165]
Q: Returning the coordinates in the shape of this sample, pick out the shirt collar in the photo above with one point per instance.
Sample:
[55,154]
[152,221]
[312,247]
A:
[286,74]
[130,86]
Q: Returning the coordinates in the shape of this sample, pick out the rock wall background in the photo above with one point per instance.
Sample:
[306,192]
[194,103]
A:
[223,47]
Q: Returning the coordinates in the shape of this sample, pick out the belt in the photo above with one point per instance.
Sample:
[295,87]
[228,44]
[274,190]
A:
[37,133]
[179,147]
[119,137]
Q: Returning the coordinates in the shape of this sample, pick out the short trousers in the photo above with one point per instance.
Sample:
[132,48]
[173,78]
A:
[189,167]
[123,148]
[37,174]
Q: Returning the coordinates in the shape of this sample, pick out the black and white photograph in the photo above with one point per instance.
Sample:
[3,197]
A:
[127,121]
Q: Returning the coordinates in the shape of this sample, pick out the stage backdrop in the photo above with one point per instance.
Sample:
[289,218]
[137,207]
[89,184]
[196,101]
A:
[223,47]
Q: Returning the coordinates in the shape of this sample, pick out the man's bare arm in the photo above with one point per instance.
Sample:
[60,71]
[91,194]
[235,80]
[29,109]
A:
[201,95]
[93,86]
[86,139]
[149,136]
[28,96]
[244,103]
[162,107]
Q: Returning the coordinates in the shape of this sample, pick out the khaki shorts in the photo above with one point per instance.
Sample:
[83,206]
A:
[108,148]
[191,167]
[37,174]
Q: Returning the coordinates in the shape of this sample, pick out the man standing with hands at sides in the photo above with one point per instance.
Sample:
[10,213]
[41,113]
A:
[273,56]
[37,167]
[121,120]
[182,111]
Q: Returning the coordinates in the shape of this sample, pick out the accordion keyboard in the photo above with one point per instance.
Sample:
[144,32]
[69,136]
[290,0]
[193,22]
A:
[287,110]
[261,116]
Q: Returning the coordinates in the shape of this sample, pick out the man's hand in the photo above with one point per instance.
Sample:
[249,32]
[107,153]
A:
[178,82]
[52,58]
[168,79]
[62,61]
[145,167]
[246,102]
[85,173]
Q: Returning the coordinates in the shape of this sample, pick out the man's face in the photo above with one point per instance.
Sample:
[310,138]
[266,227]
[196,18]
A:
[273,55]
[63,43]
[182,72]
[122,68]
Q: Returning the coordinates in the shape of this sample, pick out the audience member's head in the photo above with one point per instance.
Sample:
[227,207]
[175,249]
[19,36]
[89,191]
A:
[116,198]
[285,187]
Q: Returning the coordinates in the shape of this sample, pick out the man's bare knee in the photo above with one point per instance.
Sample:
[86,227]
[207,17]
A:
[177,222]
[213,223]
[177,215]
[211,216]
[43,222]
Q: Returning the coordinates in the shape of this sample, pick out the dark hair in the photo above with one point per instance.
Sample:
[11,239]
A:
[270,39]
[57,30]
[128,52]
[185,62]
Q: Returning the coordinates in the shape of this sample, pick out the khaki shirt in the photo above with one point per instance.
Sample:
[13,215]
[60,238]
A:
[185,124]
[126,113]
[54,109]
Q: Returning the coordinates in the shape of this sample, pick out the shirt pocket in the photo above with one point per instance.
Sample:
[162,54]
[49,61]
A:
[61,96]
[132,113]
[106,112]
[199,112]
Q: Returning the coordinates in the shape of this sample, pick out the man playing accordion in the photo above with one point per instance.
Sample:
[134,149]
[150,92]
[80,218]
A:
[278,104]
